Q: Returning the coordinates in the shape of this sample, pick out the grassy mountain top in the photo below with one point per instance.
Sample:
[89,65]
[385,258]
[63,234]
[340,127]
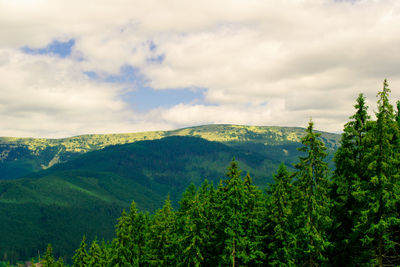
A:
[218,132]
[21,156]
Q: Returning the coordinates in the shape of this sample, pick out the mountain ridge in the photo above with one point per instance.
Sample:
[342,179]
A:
[21,156]
[86,195]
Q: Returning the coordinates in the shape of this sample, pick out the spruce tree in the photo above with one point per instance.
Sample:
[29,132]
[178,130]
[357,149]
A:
[130,243]
[163,243]
[95,256]
[197,226]
[48,259]
[313,205]
[215,226]
[195,234]
[380,192]
[350,171]
[59,263]
[233,221]
[187,199]
[233,215]
[81,255]
[106,252]
[281,219]
[254,212]
[121,253]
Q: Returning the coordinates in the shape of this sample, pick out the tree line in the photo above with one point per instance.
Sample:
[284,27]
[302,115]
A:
[309,217]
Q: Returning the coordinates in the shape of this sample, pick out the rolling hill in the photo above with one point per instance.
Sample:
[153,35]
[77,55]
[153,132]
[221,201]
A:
[85,194]
[21,156]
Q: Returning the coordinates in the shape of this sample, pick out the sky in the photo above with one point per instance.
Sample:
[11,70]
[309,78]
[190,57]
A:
[70,67]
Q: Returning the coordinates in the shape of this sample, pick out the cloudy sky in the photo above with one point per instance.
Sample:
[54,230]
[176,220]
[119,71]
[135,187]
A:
[70,67]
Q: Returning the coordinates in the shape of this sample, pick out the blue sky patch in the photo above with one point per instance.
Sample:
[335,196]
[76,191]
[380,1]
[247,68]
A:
[61,49]
[144,98]
[128,75]
[152,46]
[157,59]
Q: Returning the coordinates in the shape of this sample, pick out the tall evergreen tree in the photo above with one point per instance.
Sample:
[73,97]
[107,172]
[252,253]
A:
[349,173]
[130,243]
[254,212]
[281,219]
[81,255]
[313,205]
[59,263]
[195,235]
[163,241]
[48,259]
[95,257]
[121,253]
[187,199]
[215,225]
[381,192]
[234,218]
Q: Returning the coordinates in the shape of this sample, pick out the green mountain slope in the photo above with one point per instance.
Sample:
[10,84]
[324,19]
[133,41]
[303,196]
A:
[21,156]
[84,196]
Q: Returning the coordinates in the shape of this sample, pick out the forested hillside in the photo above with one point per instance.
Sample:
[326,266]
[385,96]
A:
[307,217]
[59,204]
[21,156]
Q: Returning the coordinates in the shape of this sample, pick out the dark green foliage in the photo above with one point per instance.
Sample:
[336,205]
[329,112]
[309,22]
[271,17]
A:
[312,207]
[163,240]
[350,172]
[233,218]
[306,218]
[254,211]
[95,255]
[81,256]
[48,259]
[196,225]
[238,214]
[381,192]
[85,196]
[21,156]
[129,245]
[280,206]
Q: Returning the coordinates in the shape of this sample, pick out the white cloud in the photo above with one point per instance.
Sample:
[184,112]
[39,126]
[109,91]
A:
[43,95]
[261,62]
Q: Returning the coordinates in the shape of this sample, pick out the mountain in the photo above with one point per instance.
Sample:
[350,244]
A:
[85,194]
[21,156]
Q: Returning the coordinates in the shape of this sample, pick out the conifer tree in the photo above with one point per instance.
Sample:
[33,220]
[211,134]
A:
[233,216]
[195,234]
[81,255]
[95,257]
[48,259]
[254,212]
[381,192]
[313,205]
[187,199]
[215,226]
[121,254]
[349,173]
[233,221]
[130,243]
[106,252]
[162,244]
[197,226]
[60,263]
[281,219]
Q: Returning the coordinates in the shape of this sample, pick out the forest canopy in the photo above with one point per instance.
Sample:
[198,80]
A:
[308,217]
